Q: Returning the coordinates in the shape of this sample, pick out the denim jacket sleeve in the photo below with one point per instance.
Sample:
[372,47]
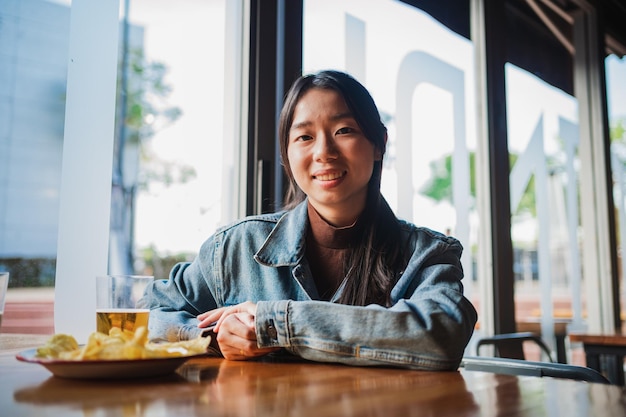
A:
[428,326]
[174,303]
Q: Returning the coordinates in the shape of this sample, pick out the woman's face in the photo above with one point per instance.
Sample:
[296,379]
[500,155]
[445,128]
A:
[330,158]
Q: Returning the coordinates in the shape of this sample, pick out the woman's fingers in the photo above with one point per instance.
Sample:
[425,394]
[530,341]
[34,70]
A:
[219,314]
[237,337]
[247,307]
[235,330]
[210,317]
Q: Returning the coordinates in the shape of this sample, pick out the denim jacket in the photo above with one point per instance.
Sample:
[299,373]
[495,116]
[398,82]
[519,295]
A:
[262,259]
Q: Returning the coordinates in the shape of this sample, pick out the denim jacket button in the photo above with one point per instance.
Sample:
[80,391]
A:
[271,332]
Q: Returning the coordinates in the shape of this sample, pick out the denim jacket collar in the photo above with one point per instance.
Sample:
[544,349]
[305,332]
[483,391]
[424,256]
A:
[285,244]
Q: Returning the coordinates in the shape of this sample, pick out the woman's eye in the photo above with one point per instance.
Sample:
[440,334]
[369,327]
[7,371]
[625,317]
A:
[345,131]
[303,138]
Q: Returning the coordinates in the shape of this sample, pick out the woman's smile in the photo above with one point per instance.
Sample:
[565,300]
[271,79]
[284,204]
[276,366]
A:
[329,176]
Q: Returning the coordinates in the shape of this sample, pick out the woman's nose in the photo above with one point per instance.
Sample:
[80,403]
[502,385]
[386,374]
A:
[325,147]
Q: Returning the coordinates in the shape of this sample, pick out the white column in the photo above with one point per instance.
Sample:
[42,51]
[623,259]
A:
[85,200]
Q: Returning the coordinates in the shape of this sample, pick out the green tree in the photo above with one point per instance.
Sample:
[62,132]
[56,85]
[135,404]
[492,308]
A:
[148,111]
[439,185]
[143,110]
[618,131]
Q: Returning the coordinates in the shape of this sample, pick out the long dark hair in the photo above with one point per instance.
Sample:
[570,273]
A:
[375,262]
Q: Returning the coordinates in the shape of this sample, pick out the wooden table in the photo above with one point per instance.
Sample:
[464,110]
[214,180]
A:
[604,353]
[216,387]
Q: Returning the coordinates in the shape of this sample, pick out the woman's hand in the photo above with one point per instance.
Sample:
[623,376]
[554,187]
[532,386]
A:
[235,329]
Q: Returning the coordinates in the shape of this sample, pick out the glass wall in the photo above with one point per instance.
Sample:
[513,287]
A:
[421,76]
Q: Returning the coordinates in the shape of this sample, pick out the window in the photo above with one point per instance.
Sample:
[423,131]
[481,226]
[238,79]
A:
[543,147]
[176,81]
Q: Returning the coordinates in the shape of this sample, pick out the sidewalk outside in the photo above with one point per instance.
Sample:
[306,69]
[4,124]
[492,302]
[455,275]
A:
[35,294]
[29,311]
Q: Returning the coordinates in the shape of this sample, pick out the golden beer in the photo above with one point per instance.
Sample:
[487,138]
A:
[124,319]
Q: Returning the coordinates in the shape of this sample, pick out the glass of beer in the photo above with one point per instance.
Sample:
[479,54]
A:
[116,302]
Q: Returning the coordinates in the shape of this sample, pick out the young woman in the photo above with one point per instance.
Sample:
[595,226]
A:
[336,277]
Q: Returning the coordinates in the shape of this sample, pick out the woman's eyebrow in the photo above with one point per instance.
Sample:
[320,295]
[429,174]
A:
[299,125]
[338,116]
